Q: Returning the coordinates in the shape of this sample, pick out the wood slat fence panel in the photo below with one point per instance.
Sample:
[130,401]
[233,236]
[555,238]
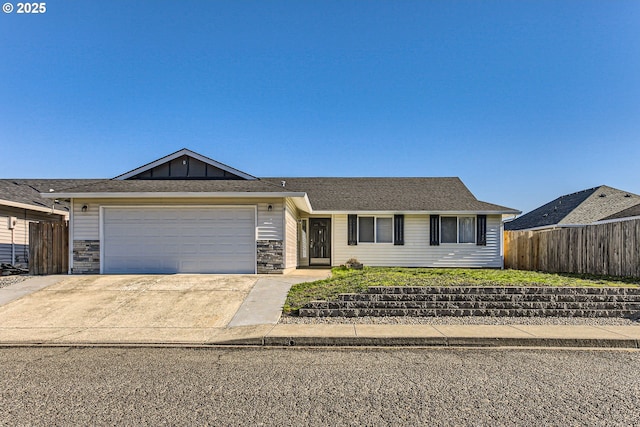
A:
[608,249]
[48,248]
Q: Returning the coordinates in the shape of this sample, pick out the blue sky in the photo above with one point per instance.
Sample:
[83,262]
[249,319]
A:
[524,100]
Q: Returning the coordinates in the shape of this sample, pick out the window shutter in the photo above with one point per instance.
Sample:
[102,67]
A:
[352,230]
[398,229]
[481,230]
[435,230]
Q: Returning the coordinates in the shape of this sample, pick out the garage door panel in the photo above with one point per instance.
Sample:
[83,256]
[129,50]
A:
[179,240]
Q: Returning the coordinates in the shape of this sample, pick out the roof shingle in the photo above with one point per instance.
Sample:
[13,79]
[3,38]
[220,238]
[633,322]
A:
[325,194]
[388,194]
[27,191]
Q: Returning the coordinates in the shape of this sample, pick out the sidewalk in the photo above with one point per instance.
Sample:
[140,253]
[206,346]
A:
[455,335]
[333,335]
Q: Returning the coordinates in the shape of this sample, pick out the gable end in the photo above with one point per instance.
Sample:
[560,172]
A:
[185,164]
[185,167]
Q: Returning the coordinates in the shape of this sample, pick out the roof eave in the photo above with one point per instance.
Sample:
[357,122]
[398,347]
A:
[150,194]
[33,207]
[303,203]
[419,212]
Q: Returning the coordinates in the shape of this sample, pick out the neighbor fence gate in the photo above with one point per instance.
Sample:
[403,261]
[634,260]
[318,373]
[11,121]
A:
[48,247]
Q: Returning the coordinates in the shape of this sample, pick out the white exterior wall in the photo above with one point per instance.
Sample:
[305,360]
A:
[281,224]
[291,241]
[86,225]
[416,251]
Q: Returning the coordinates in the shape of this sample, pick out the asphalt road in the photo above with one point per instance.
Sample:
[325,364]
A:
[281,387]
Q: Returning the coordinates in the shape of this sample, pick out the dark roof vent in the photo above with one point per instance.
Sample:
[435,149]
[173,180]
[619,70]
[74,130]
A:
[545,215]
[283,183]
[602,195]
[627,195]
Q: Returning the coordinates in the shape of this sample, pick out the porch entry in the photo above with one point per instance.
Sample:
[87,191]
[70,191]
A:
[319,241]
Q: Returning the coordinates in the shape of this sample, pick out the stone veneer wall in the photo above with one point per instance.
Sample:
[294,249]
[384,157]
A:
[270,257]
[86,256]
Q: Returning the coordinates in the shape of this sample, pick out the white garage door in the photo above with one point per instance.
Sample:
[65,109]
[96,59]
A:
[179,240]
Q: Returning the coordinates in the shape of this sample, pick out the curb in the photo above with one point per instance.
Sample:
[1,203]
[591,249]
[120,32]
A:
[282,341]
[307,341]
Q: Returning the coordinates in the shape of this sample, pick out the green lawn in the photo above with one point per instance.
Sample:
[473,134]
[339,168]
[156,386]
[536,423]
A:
[352,281]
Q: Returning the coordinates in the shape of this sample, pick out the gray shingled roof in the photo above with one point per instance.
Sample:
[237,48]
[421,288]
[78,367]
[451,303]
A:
[583,207]
[175,186]
[325,194]
[388,194]
[629,212]
[27,191]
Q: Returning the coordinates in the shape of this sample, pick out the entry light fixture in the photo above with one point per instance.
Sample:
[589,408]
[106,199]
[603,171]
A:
[269,208]
[84,208]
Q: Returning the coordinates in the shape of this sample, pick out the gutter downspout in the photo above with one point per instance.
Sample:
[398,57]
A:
[13,245]
[70,238]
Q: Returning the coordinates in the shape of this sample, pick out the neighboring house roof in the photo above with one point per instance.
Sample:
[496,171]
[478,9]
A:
[583,207]
[26,193]
[627,213]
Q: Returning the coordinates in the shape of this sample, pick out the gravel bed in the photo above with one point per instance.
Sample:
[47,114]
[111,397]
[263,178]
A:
[11,280]
[449,320]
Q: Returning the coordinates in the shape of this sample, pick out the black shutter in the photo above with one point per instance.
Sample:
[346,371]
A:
[435,230]
[481,230]
[352,230]
[398,229]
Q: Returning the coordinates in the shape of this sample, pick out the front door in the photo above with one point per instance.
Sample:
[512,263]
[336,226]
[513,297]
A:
[320,241]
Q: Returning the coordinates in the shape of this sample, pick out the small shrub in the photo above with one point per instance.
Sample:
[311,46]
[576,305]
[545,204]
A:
[354,264]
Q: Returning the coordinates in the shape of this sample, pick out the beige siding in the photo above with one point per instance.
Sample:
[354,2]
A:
[5,241]
[86,225]
[270,223]
[20,238]
[291,235]
[416,252]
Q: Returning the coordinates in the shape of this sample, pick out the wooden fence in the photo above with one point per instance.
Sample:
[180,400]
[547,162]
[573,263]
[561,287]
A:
[610,249]
[48,247]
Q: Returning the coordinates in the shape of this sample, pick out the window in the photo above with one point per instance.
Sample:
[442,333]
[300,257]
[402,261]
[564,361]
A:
[466,229]
[365,229]
[384,230]
[375,229]
[449,229]
[457,229]
[304,244]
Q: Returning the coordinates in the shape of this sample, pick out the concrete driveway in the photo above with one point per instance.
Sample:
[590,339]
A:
[147,308]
